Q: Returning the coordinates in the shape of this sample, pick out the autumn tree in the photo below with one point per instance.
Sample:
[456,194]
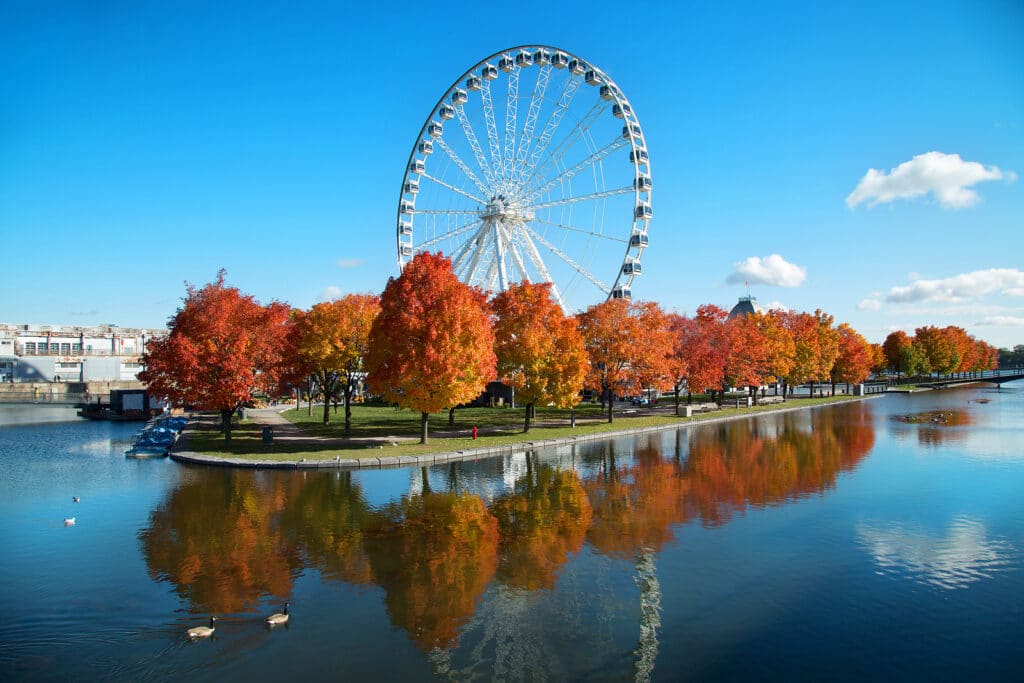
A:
[913,360]
[221,346]
[893,347]
[539,351]
[699,350]
[939,347]
[761,350]
[879,361]
[331,342]
[853,364]
[623,348]
[431,346]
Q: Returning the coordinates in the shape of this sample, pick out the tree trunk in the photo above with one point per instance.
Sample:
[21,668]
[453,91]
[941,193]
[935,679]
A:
[423,427]
[451,417]
[677,400]
[609,392]
[689,397]
[348,411]
[572,417]
[327,411]
[225,423]
[529,414]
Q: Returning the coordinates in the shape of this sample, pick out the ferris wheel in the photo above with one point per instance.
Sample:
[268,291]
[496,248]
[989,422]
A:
[531,167]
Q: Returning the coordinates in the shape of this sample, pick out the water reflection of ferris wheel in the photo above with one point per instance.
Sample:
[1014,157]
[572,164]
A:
[531,167]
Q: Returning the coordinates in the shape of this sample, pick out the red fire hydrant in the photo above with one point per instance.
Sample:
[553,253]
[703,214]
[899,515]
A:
[474,432]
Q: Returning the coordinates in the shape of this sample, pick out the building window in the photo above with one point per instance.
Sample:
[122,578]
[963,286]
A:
[54,347]
[30,348]
[65,349]
[76,349]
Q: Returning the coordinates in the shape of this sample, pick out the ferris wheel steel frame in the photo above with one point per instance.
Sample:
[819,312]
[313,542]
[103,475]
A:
[517,180]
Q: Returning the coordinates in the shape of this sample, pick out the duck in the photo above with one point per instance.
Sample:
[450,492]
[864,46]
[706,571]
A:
[202,631]
[76,499]
[279,617]
[69,521]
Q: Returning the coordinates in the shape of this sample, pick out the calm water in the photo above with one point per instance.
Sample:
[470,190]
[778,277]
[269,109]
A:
[875,540]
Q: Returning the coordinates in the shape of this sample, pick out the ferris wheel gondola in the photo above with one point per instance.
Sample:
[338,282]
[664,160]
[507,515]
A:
[531,167]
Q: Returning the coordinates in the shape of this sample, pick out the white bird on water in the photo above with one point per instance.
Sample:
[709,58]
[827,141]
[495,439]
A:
[69,521]
[202,631]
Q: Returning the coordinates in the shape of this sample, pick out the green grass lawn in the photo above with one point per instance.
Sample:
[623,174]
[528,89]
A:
[375,427]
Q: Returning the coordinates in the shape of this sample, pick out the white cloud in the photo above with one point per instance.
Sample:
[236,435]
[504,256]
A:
[963,287]
[869,305]
[331,293]
[777,306]
[1002,321]
[947,176]
[346,263]
[770,270]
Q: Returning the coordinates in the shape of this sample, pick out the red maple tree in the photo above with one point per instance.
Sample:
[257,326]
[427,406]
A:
[222,346]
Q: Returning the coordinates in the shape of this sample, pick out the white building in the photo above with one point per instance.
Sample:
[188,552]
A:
[62,353]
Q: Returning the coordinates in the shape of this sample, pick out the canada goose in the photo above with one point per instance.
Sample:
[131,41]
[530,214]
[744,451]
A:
[202,631]
[279,617]
[75,499]
[69,521]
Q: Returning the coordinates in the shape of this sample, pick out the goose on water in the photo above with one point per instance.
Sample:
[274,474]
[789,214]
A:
[279,617]
[202,631]
[76,499]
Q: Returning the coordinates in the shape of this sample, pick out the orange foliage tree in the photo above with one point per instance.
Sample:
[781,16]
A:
[940,348]
[853,364]
[330,344]
[628,343]
[699,349]
[893,347]
[761,350]
[539,351]
[222,346]
[431,346]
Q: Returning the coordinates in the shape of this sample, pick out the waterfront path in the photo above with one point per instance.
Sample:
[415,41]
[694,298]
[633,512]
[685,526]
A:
[287,432]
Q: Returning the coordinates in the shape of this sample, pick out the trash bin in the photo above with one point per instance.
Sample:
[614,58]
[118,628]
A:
[268,435]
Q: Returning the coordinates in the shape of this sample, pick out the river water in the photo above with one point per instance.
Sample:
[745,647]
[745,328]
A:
[882,539]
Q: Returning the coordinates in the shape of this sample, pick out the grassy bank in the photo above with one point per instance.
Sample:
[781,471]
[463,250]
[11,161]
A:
[384,431]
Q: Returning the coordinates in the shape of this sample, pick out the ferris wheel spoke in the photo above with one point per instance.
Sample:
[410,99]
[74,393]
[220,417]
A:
[454,232]
[458,259]
[492,128]
[568,261]
[517,260]
[627,189]
[447,212]
[589,233]
[454,189]
[555,118]
[511,114]
[563,147]
[474,144]
[536,100]
[481,249]
[538,263]
[457,160]
[599,155]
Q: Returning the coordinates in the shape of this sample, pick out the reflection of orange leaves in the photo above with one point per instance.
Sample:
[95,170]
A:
[542,522]
[433,555]
[217,544]
[635,507]
[756,466]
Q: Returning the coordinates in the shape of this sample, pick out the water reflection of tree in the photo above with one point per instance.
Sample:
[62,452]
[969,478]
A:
[764,463]
[325,519]
[541,522]
[933,428]
[216,540]
[433,554]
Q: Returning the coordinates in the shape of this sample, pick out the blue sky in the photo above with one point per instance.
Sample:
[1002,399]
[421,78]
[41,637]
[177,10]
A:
[143,145]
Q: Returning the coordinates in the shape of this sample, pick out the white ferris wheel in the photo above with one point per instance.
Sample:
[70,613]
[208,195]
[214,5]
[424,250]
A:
[531,167]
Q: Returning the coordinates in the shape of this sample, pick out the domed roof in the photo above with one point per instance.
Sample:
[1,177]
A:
[745,306]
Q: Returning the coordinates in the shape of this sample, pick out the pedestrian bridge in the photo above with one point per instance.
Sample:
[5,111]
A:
[942,381]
